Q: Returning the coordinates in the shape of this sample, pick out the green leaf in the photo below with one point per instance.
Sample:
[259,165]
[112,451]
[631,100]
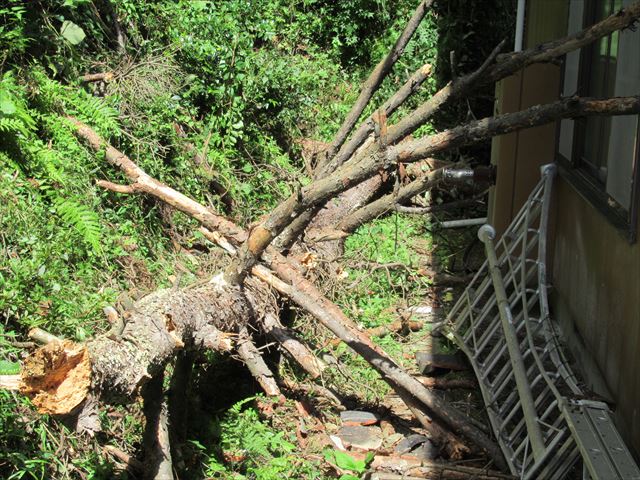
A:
[7,105]
[369,458]
[74,3]
[348,476]
[72,32]
[347,462]
[9,368]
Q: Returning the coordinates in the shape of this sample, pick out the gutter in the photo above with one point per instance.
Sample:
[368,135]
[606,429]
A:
[517,47]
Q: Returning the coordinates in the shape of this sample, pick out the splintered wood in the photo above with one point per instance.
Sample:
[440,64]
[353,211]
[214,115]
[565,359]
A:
[57,377]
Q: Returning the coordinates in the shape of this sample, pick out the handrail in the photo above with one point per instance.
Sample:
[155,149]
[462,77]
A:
[486,234]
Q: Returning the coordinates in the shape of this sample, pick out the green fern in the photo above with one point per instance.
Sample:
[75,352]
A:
[46,161]
[14,115]
[84,220]
[95,111]
[13,125]
[53,96]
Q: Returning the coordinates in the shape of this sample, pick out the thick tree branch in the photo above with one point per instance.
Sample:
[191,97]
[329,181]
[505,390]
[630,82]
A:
[296,349]
[546,52]
[387,203]
[97,77]
[487,74]
[352,174]
[367,127]
[270,323]
[487,128]
[377,76]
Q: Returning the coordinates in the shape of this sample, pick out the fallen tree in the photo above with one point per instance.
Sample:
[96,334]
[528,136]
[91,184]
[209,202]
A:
[346,192]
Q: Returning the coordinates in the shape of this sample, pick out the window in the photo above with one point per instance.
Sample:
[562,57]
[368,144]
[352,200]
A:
[599,155]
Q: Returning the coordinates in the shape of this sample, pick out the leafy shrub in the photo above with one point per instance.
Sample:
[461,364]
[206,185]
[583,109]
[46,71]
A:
[253,449]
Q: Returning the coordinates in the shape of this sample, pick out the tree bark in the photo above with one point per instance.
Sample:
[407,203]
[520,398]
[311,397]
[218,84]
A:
[158,464]
[162,324]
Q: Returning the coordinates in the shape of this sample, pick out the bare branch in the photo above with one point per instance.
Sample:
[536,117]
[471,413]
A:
[250,355]
[463,85]
[621,20]
[10,382]
[486,128]
[366,128]
[377,76]
[294,347]
[159,190]
[318,192]
[97,77]
[42,336]
[115,187]
[387,203]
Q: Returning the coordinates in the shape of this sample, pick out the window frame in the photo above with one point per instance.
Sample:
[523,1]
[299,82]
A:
[579,173]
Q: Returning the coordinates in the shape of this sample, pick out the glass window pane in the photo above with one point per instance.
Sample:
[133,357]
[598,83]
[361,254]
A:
[623,141]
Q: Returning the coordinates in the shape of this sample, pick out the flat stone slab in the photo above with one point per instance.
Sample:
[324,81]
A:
[410,442]
[354,417]
[358,436]
[418,447]
[429,362]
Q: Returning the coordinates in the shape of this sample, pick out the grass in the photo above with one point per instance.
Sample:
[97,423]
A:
[383,278]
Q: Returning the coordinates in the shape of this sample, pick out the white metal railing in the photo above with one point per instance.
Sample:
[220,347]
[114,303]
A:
[503,324]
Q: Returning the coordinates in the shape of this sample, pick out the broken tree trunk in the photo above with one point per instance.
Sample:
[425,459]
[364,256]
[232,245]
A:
[288,281]
[162,323]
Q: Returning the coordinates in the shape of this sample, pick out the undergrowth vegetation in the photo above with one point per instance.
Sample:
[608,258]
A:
[214,99]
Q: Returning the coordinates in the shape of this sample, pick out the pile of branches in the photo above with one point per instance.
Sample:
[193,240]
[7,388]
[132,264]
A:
[347,191]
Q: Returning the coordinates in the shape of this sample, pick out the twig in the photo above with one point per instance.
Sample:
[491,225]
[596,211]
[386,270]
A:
[133,465]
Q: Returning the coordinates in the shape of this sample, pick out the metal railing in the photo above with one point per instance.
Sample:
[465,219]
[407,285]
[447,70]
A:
[502,323]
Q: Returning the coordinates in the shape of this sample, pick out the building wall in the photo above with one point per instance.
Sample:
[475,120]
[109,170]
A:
[519,155]
[595,271]
[596,300]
